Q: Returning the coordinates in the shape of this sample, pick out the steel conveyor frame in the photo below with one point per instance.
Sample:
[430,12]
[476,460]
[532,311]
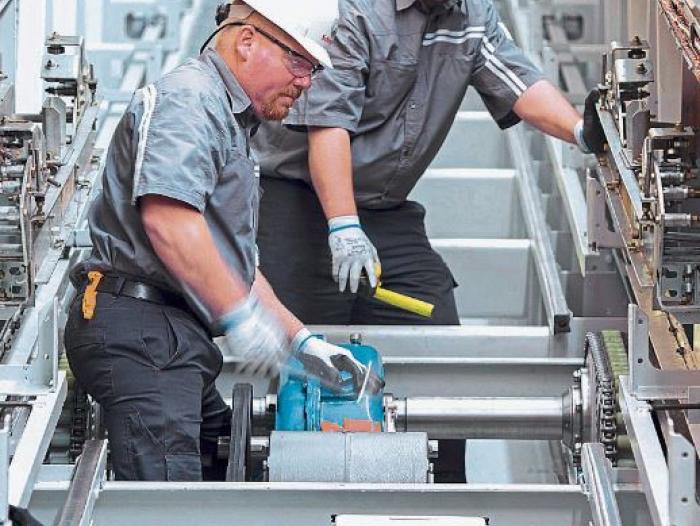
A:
[535,359]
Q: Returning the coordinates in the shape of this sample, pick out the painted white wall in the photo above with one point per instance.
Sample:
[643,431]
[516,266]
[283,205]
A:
[30,46]
[65,14]
[92,24]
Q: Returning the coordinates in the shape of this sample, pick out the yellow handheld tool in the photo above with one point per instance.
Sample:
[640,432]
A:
[90,295]
[400,301]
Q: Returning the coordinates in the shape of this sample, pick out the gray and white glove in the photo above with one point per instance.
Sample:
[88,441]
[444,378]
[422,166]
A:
[352,251]
[254,338]
[325,361]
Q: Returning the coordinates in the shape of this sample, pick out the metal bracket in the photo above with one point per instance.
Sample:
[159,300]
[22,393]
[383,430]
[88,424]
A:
[597,474]
[648,455]
[647,382]
[599,235]
[683,508]
[40,375]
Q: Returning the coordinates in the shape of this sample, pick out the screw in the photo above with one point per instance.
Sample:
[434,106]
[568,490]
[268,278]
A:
[641,68]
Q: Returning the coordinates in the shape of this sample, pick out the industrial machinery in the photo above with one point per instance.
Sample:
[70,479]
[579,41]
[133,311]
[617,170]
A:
[573,377]
[379,438]
[48,167]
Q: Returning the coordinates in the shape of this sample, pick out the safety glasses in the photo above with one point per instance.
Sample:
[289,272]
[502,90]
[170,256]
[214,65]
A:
[296,63]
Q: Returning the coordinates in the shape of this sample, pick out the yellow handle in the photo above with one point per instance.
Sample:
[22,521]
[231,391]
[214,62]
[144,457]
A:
[90,295]
[422,308]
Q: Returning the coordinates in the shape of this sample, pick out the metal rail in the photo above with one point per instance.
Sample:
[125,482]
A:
[555,303]
[598,482]
[83,491]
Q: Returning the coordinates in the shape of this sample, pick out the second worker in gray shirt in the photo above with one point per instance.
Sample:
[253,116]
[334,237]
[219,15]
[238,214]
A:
[335,195]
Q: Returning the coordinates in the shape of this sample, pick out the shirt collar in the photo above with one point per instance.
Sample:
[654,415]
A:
[241,105]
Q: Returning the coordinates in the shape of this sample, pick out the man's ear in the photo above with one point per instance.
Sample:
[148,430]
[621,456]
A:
[244,42]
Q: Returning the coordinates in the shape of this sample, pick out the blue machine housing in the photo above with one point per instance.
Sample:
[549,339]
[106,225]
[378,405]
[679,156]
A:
[303,404]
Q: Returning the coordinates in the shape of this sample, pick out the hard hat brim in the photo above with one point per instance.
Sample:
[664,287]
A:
[315,50]
[311,46]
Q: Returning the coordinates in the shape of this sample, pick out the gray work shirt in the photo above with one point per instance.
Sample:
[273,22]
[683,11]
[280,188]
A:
[186,137]
[399,77]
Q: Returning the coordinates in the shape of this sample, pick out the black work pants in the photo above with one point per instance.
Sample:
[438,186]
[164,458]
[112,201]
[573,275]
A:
[296,259]
[152,369]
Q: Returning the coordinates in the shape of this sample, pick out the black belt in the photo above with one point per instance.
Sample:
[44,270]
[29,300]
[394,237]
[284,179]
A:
[119,286]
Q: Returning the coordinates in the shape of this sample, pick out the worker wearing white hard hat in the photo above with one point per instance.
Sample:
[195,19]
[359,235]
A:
[174,254]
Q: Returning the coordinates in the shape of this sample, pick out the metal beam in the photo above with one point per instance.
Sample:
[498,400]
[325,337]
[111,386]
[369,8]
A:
[558,312]
[309,504]
[4,468]
[425,376]
[598,482]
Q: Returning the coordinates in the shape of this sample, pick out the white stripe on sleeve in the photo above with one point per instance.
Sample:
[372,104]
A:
[149,105]
[489,51]
[491,67]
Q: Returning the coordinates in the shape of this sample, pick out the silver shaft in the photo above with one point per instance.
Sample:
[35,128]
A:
[489,418]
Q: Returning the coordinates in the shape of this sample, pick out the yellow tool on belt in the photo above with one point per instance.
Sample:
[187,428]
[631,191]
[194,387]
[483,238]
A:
[90,295]
[400,301]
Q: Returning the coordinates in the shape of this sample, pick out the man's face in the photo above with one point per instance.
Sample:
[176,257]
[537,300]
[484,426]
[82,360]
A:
[278,85]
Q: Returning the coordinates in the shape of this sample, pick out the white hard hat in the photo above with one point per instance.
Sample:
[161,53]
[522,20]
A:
[312,23]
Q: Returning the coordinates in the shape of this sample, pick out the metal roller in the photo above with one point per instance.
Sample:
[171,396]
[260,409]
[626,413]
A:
[486,418]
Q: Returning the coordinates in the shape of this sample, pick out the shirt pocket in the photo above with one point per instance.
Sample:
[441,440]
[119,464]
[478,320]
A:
[390,84]
[238,186]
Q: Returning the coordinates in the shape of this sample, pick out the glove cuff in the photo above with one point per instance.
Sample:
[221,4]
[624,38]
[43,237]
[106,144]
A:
[339,223]
[241,312]
[300,340]
[580,140]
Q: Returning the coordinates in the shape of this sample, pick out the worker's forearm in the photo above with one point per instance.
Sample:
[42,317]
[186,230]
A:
[330,164]
[546,108]
[182,240]
[264,292]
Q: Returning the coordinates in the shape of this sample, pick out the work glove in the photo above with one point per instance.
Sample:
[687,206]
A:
[588,131]
[326,361]
[254,338]
[352,251]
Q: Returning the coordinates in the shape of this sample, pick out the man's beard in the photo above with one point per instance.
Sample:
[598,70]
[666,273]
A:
[273,110]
